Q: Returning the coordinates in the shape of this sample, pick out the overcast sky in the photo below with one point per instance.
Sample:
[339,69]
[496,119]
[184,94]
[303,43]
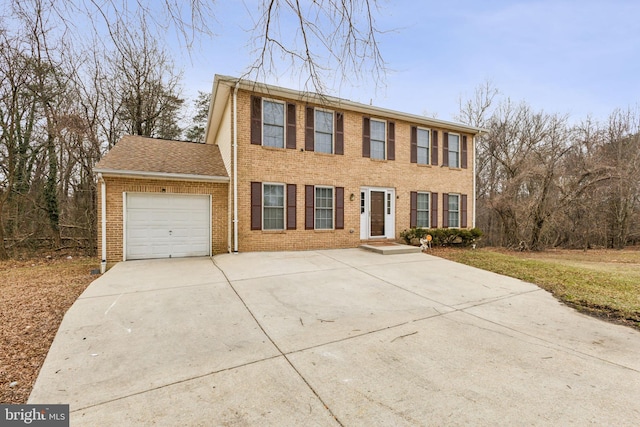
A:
[575,57]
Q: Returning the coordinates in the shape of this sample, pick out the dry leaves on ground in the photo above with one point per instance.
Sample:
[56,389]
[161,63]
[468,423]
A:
[35,295]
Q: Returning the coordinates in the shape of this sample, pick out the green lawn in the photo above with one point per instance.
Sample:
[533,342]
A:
[604,283]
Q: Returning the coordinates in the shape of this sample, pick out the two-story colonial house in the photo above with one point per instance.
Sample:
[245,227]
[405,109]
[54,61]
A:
[284,170]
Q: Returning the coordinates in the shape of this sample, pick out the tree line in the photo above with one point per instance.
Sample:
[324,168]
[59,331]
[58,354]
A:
[62,106]
[543,181]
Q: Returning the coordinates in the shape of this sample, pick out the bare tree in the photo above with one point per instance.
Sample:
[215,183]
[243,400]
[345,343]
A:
[329,39]
[622,153]
[147,85]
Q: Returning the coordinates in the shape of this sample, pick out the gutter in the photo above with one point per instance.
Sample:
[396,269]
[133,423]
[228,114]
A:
[345,104]
[475,197]
[162,175]
[235,168]
[103,202]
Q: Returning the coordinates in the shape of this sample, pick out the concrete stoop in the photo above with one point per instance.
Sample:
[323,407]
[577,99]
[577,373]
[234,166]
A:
[389,248]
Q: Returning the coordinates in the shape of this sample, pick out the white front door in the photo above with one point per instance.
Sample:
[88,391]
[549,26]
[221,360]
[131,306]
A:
[377,213]
[166,225]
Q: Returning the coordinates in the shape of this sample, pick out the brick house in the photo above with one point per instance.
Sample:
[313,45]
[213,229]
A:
[284,170]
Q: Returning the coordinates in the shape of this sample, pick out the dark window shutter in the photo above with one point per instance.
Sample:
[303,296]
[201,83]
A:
[434,210]
[256,206]
[445,149]
[309,130]
[256,120]
[434,147]
[309,201]
[291,126]
[366,137]
[463,211]
[413,217]
[414,145]
[391,141]
[339,208]
[291,206]
[463,153]
[445,210]
[339,133]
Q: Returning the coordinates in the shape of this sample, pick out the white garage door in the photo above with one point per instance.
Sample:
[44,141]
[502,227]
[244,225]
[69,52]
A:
[167,226]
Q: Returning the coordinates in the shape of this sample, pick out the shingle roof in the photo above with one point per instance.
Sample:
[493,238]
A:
[139,154]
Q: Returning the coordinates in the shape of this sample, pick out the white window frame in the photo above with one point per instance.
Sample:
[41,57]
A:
[384,147]
[315,206]
[284,121]
[457,152]
[333,131]
[428,196]
[418,146]
[457,196]
[284,206]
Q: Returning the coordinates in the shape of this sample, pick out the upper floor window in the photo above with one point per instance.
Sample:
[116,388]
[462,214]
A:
[422,208]
[323,131]
[273,124]
[378,139]
[423,146]
[454,150]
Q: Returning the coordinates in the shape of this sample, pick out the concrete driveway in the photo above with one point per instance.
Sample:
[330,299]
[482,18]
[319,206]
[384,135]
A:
[336,337]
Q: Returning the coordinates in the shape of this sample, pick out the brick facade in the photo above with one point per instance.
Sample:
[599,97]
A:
[116,186]
[350,170]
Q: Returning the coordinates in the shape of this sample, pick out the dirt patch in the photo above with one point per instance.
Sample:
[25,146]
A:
[35,296]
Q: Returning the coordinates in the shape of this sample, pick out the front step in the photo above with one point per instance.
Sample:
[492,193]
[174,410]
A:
[389,248]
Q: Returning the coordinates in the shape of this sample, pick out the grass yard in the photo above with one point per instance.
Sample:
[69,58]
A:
[34,296]
[603,283]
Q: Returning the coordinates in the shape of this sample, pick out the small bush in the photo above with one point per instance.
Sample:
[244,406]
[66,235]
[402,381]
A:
[442,236]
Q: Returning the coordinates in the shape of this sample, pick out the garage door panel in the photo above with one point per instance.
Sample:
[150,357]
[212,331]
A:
[167,225]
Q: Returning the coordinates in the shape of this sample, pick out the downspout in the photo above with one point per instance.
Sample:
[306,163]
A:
[475,197]
[103,218]
[235,168]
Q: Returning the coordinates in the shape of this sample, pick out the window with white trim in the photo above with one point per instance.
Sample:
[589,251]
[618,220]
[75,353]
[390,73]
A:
[323,138]
[324,208]
[423,146]
[378,139]
[273,207]
[422,210]
[454,210]
[454,150]
[273,123]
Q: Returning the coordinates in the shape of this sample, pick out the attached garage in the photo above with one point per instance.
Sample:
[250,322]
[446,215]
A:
[166,225]
[162,199]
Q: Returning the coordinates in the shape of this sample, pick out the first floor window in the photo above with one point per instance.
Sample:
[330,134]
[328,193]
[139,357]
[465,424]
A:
[454,210]
[273,207]
[378,139]
[422,219]
[423,146]
[273,124]
[324,208]
[454,150]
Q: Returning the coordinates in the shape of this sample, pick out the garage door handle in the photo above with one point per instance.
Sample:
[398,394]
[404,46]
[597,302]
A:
[170,232]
